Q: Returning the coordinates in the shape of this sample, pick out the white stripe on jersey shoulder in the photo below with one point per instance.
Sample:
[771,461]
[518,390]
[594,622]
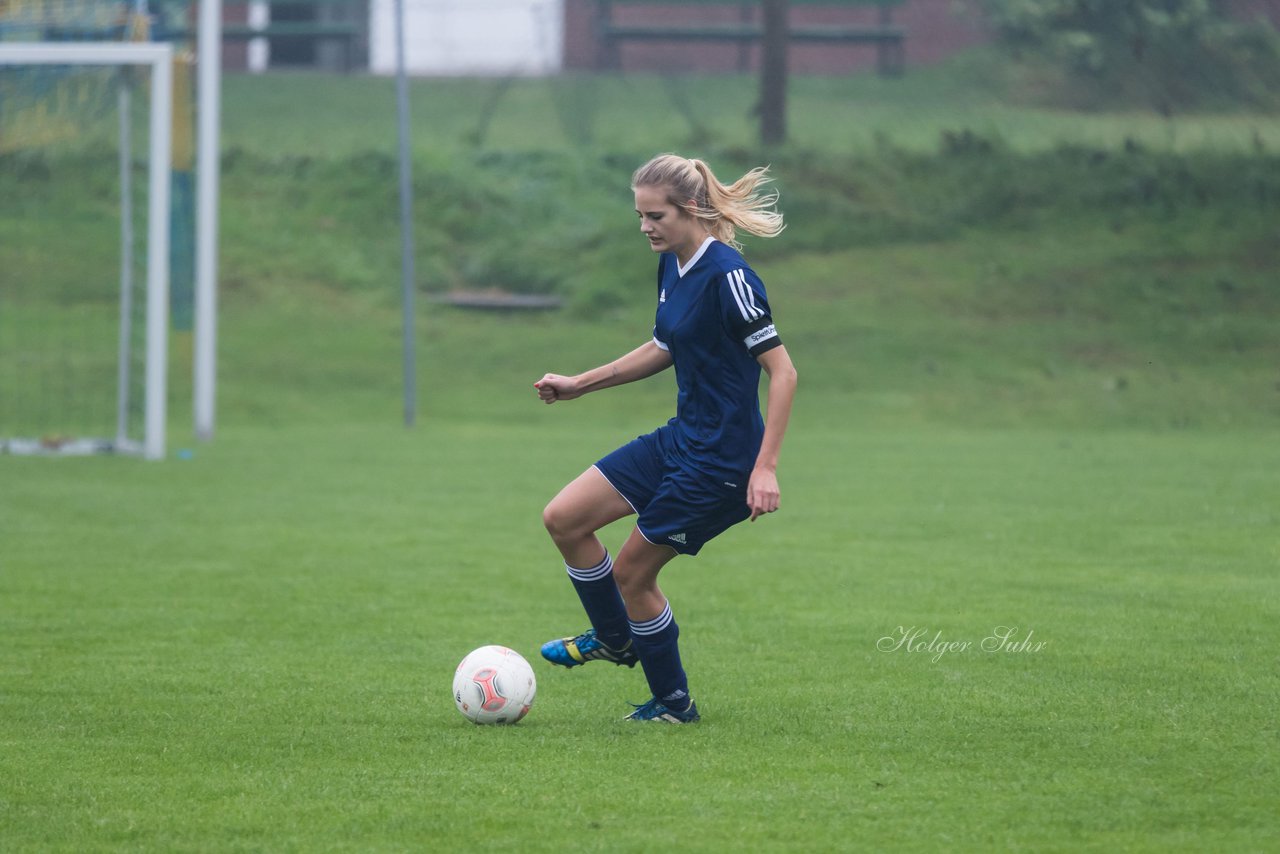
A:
[661,346]
[743,295]
[682,269]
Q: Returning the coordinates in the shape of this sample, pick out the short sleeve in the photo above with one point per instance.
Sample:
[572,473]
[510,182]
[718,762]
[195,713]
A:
[745,311]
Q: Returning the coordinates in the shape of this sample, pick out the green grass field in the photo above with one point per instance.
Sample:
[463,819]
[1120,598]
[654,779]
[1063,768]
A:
[1062,432]
[653,112]
[252,650]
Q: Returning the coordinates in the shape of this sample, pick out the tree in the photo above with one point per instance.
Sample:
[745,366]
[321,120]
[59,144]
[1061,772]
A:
[773,72]
[1167,52]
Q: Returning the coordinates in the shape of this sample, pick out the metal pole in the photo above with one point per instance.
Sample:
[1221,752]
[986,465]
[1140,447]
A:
[158,256]
[406,224]
[208,121]
[126,256]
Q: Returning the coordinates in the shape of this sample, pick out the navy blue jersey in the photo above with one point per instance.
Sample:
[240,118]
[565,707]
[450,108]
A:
[714,319]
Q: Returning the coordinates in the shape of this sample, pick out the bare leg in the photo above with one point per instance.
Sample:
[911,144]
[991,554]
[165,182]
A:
[583,507]
[572,518]
[636,572]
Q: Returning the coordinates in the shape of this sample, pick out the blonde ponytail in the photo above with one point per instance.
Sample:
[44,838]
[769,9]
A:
[692,186]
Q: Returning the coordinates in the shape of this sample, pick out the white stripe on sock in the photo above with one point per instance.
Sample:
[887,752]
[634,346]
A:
[594,573]
[657,624]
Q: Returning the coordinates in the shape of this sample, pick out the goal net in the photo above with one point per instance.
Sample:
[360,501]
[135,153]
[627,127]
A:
[85,185]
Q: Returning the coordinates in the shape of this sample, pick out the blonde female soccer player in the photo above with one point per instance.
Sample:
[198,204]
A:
[711,466]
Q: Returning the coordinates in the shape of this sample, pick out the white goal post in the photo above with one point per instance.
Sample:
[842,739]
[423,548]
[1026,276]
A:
[159,59]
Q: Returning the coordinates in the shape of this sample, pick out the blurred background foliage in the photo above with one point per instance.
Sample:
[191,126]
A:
[1164,54]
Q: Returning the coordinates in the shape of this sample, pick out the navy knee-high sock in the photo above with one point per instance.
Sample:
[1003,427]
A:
[602,602]
[656,644]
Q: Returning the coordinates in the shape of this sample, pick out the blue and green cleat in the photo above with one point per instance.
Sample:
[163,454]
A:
[654,710]
[570,652]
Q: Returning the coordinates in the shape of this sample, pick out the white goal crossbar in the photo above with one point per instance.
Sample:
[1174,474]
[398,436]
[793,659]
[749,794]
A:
[159,58]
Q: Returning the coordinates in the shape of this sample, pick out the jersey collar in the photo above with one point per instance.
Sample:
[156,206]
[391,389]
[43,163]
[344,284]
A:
[694,260]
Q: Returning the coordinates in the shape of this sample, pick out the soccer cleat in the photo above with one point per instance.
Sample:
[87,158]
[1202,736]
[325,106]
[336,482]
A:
[655,711]
[570,652]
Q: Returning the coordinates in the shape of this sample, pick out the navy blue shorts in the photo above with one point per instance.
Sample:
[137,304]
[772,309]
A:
[676,507]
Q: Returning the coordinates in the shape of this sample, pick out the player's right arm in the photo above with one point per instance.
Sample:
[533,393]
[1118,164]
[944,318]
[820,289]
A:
[644,361]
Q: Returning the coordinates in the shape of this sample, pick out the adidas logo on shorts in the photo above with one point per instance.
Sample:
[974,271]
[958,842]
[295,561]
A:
[678,538]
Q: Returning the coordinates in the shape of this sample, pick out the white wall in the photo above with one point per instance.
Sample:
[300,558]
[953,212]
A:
[497,37]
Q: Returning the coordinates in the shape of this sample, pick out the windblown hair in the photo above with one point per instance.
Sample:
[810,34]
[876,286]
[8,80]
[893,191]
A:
[691,186]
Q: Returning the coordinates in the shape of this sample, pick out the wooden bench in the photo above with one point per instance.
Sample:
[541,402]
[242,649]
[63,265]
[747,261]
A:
[348,34]
[888,38]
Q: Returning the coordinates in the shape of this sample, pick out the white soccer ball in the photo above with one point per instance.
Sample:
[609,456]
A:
[494,685]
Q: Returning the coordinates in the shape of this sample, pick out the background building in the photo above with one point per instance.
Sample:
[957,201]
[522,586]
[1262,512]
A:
[534,37]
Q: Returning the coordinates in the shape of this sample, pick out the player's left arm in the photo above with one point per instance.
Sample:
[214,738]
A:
[762,488]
